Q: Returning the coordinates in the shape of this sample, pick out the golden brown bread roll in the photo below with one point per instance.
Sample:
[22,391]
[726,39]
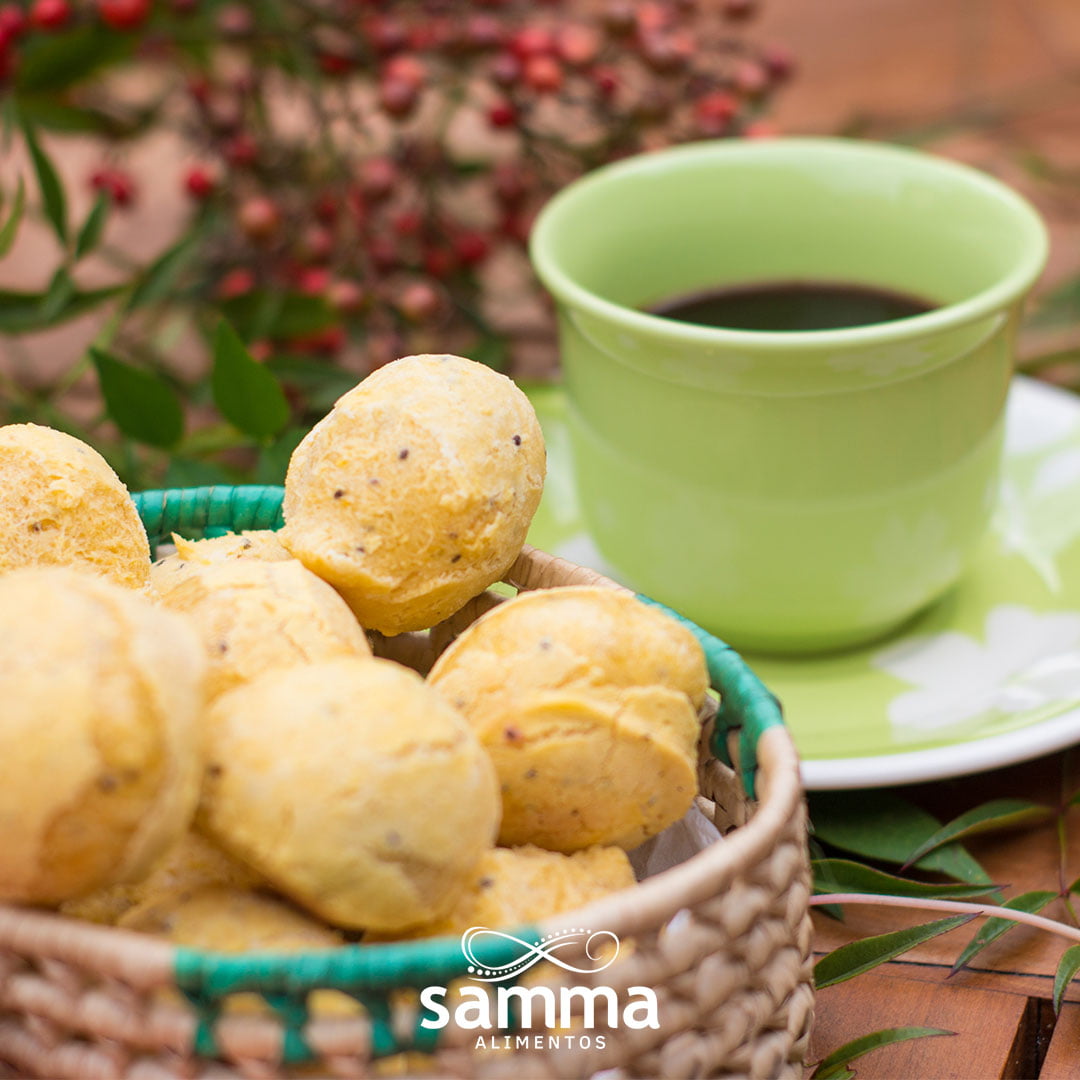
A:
[415,493]
[353,788]
[257,616]
[62,505]
[101,692]
[587,701]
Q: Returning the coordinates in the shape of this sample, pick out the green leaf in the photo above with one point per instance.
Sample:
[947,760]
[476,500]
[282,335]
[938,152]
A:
[1068,966]
[53,200]
[842,875]
[321,383]
[188,472]
[10,227]
[55,302]
[1061,307]
[835,1065]
[159,279]
[52,62]
[90,233]
[860,956]
[492,351]
[246,393]
[881,825]
[140,403]
[273,462]
[993,928]
[262,313]
[995,815]
[21,312]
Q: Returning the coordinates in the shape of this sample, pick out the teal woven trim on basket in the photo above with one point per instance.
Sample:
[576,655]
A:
[746,704]
[369,973]
[208,511]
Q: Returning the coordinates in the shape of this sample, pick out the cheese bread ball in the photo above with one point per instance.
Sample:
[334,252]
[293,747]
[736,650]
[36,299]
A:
[223,918]
[259,544]
[511,886]
[353,788]
[100,695]
[587,701]
[192,863]
[255,616]
[415,493]
[62,505]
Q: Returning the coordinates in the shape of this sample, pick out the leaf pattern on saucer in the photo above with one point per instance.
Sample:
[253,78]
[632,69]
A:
[1026,661]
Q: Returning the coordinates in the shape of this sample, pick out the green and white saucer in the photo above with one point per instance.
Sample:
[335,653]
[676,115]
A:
[988,676]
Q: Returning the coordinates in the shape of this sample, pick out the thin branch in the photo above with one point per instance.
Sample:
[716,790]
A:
[989,910]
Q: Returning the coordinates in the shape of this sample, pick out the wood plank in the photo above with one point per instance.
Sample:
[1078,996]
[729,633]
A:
[986,1026]
[1063,1058]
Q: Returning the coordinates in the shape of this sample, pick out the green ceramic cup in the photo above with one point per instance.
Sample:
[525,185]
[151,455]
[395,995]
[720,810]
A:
[790,491]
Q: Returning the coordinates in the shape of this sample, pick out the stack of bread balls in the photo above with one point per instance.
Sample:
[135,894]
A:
[228,764]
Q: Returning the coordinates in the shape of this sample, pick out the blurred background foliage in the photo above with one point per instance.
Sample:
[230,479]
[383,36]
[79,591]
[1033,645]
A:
[358,181]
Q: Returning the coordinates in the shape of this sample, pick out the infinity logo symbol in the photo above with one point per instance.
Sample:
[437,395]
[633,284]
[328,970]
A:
[532,952]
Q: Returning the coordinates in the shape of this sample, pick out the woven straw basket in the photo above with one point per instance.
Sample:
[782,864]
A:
[723,938]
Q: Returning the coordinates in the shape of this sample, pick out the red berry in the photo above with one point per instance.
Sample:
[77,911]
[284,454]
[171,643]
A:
[199,182]
[666,53]
[241,149]
[505,69]
[326,208]
[471,248]
[235,21]
[259,218]
[502,114]
[651,17]
[509,183]
[397,98]
[779,63]
[750,79]
[438,262]
[313,280]
[199,89]
[383,253]
[346,297]
[405,69]
[50,14]
[118,185]
[329,341]
[714,112]
[378,177]
[532,41]
[123,14]
[261,350]
[517,227]
[577,45]
[387,35]
[407,223]
[419,302]
[237,282]
[606,80]
[483,32]
[543,74]
[316,244]
[12,23]
[335,63]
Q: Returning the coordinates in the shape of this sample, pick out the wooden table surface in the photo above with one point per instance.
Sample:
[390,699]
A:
[1001,1007]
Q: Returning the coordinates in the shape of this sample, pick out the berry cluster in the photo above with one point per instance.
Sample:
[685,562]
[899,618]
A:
[388,157]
